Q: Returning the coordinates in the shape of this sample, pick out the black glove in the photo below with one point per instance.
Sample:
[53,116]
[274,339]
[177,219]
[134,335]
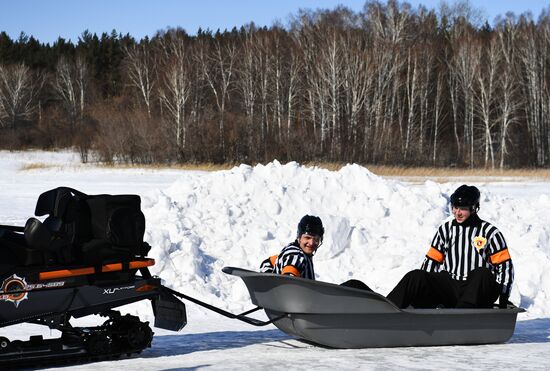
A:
[503,301]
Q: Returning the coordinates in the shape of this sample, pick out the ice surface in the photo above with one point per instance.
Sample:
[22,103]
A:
[377,229]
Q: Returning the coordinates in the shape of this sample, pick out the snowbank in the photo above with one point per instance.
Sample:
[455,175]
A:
[376,229]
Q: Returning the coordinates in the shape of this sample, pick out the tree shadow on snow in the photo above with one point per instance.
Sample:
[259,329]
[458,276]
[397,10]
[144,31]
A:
[532,331]
[171,345]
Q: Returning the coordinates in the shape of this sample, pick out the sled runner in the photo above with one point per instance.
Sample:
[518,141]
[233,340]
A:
[344,317]
[87,257]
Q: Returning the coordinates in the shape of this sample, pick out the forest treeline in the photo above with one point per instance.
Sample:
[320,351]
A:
[391,84]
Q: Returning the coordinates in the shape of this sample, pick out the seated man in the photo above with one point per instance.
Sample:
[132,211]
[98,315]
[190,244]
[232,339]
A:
[467,266]
[296,259]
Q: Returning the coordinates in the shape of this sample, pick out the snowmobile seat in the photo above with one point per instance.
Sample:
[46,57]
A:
[78,229]
[37,235]
[34,246]
[13,252]
[68,214]
[15,248]
[117,226]
[44,237]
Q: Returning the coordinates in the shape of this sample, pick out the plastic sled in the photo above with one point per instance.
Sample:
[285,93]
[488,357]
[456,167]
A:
[341,317]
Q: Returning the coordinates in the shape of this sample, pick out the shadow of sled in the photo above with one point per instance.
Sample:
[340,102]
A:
[171,345]
[532,331]
[342,317]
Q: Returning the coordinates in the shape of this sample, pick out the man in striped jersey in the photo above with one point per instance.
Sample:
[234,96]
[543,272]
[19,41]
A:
[467,266]
[296,259]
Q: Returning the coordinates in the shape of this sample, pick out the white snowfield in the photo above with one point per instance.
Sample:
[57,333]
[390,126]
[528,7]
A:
[377,229]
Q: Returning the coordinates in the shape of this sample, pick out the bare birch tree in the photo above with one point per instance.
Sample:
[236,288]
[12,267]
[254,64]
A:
[218,67]
[329,69]
[532,56]
[141,72]
[464,67]
[437,111]
[509,101]
[175,89]
[356,81]
[70,84]
[388,31]
[18,90]
[487,59]
[411,93]
[292,87]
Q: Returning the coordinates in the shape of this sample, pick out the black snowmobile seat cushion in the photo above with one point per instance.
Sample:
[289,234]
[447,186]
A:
[13,244]
[37,235]
[117,219]
[117,226]
[8,262]
[83,228]
[53,224]
[53,202]
[126,227]
[68,214]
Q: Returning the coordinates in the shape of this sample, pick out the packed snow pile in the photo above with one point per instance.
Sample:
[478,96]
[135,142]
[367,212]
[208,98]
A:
[376,229]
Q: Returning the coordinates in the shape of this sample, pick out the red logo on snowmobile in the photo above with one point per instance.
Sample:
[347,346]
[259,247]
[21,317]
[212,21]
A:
[17,285]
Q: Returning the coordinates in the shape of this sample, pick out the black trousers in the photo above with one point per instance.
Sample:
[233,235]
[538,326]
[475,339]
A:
[356,284]
[423,289]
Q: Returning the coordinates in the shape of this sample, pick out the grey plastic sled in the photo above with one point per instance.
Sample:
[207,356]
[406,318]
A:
[342,317]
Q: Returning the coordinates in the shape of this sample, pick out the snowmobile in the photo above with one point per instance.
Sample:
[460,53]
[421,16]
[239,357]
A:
[86,257]
[343,317]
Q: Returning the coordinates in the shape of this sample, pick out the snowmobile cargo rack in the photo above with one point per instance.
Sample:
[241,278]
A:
[342,317]
[111,267]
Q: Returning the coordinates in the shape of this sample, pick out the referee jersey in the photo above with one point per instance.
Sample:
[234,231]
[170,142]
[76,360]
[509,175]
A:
[291,260]
[460,248]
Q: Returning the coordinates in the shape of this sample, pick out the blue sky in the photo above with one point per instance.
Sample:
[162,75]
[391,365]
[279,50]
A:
[47,20]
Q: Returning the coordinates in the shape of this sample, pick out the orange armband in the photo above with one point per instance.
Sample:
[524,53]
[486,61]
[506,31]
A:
[500,257]
[435,255]
[273,259]
[290,269]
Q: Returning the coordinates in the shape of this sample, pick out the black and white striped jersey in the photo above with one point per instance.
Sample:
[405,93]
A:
[268,265]
[291,260]
[460,248]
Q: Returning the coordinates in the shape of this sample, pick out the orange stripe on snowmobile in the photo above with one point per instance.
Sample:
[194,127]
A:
[290,269]
[65,273]
[500,257]
[273,259]
[435,254]
[113,267]
[146,288]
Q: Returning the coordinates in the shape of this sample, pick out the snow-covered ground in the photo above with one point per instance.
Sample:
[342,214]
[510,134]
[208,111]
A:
[377,229]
